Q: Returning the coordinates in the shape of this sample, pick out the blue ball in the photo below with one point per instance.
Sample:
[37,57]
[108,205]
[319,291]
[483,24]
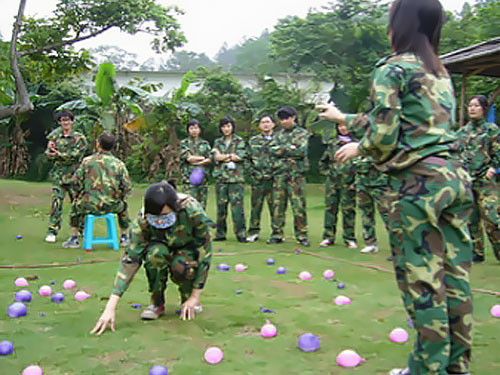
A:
[196,176]
[270,262]
[57,297]
[19,236]
[340,285]
[23,296]
[6,348]
[17,310]
[158,370]
[308,342]
[281,270]
[223,267]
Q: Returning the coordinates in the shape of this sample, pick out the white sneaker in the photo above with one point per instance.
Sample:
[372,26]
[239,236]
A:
[326,243]
[372,249]
[50,238]
[253,238]
[400,371]
[352,244]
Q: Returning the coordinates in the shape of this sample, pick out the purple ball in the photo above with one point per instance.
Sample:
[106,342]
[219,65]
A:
[281,270]
[308,342]
[23,296]
[17,309]
[340,285]
[158,370]
[270,262]
[223,267]
[57,297]
[196,176]
[6,348]
[19,236]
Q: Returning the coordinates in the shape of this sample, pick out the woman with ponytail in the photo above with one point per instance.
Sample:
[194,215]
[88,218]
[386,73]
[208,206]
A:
[410,132]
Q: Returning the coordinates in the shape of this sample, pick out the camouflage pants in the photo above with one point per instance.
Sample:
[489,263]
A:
[199,192]
[79,209]
[289,188]
[261,192]
[368,198]
[159,262]
[230,194]
[430,209]
[58,191]
[336,196]
[485,214]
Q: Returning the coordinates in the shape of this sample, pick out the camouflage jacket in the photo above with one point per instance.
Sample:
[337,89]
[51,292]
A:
[101,181]
[337,173]
[72,149]
[412,115]
[260,158]
[190,233]
[289,149]
[189,148]
[480,147]
[223,173]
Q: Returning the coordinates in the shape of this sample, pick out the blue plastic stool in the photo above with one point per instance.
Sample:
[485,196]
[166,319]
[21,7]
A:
[111,239]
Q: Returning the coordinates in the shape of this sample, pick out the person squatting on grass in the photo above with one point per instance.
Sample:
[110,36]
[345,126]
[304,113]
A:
[65,149]
[410,132]
[101,185]
[170,235]
[481,156]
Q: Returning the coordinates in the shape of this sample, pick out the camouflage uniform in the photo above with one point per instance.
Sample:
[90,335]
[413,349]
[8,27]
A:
[289,149]
[411,135]
[72,149]
[339,190]
[200,148]
[184,250]
[101,184]
[481,151]
[229,186]
[261,172]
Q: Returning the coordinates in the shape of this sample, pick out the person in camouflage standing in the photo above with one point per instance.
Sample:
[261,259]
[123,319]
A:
[195,154]
[229,153]
[289,150]
[101,185]
[339,190]
[65,149]
[411,135]
[261,172]
[481,156]
[170,235]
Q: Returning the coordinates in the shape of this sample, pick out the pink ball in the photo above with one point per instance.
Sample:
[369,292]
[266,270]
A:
[348,358]
[495,311]
[45,290]
[342,300]
[213,355]
[268,330]
[81,296]
[329,274]
[304,275]
[240,267]
[21,281]
[33,370]
[399,335]
[69,284]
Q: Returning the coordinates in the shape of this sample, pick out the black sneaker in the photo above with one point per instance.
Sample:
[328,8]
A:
[71,243]
[124,240]
[241,239]
[274,240]
[477,258]
[304,242]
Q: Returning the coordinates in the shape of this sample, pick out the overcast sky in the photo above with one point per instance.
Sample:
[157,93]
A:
[207,24]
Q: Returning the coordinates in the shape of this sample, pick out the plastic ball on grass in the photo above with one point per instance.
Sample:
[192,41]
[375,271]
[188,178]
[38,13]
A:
[270,262]
[340,285]
[19,236]
[398,335]
[281,270]
[328,274]
[6,348]
[81,296]
[158,370]
[17,310]
[268,330]
[21,282]
[342,300]
[240,267]
[308,342]
[57,297]
[213,355]
[304,275]
[33,370]
[223,267]
[196,176]
[495,311]
[23,296]
[45,290]
[348,358]
[69,284]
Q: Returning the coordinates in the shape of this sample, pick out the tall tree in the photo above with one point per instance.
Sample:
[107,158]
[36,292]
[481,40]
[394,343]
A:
[185,61]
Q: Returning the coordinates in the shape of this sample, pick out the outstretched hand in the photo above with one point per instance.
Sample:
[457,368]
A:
[330,112]
[347,151]
[107,317]
[187,308]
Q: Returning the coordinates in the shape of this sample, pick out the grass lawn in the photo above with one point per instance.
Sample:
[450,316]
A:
[56,336]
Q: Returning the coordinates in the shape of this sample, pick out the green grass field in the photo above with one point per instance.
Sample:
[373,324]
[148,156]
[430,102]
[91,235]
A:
[59,339]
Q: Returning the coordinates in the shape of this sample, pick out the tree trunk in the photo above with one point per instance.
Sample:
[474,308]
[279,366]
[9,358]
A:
[15,159]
